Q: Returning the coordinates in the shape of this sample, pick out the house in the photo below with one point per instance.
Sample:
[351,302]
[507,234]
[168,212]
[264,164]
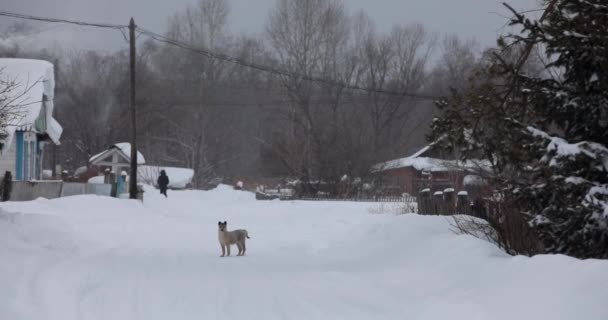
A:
[117,158]
[427,168]
[26,103]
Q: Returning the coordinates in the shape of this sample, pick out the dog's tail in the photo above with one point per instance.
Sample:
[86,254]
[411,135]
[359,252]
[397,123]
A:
[247,234]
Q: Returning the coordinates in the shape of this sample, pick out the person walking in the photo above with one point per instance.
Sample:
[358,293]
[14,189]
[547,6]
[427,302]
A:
[120,183]
[163,182]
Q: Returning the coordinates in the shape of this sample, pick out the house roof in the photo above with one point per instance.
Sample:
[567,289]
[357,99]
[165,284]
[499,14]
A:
[29,80]
[123,148]
[430,164]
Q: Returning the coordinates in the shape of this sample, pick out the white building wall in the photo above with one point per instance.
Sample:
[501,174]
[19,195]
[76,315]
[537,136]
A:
[7,159]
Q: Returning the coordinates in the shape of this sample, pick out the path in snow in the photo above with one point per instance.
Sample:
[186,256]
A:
[100,258]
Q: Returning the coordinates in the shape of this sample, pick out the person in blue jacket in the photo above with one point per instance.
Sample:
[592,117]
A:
[119,186]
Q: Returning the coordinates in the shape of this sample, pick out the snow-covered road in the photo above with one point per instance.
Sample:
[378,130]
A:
[99,258]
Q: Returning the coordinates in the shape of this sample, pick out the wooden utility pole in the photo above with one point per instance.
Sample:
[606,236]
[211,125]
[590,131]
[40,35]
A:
[54,172]
[133,176]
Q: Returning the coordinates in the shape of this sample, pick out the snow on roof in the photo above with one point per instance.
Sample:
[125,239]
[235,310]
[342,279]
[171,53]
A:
[31,79]
[431,164]
[179,178]
[125,149]
[420,164]
[472,180]
[421,151]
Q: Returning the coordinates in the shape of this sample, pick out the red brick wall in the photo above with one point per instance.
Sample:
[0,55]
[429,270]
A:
[403,177]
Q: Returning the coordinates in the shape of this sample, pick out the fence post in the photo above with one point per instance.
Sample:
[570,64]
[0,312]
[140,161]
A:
[449,201]
[478,208]
[438,205]
[424,197]
[462,204]
[6,186]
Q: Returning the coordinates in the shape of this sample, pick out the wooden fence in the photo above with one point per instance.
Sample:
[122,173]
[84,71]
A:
[324,197]
[442,203]
[449,203]
[379,198]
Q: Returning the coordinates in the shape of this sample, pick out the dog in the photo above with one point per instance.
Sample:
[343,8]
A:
[228,238]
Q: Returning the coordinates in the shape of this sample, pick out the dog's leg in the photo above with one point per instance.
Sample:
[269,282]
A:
[238,245]
[244,248]
[223,250]
[228,249]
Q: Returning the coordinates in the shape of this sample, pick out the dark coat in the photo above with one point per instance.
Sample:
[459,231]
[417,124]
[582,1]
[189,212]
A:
[163,181]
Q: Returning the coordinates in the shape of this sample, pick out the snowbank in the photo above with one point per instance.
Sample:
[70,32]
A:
[97,180]
[88,257]
[179,178]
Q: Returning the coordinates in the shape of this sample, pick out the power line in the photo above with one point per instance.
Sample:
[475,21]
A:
[224,57]
[53,20]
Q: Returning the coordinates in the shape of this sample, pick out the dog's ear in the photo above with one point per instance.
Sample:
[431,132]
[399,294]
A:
[219,223]
[225,223]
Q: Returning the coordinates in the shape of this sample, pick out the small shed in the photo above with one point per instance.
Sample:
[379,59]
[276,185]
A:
[116,158]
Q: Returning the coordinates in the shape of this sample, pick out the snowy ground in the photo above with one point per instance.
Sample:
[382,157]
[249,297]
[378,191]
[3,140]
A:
[91,257]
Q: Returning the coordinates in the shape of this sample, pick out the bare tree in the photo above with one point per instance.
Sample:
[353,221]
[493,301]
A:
[13,101]
[393,62]
[90,104]
[191,89]
[309,38]
[456,64]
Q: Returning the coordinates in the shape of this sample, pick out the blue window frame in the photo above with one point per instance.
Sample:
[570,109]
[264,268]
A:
[19,155]
[26,161]
[33,156]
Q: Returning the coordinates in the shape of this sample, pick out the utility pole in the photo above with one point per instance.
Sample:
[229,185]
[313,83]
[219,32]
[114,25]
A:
[133,176]
[54,172]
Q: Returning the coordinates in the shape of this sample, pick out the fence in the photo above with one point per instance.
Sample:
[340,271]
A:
[448,203]
[326,197]
[31,190]
[503,225]
[379,198]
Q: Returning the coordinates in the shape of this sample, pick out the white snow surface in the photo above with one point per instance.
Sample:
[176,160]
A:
[91,257]
[31,79]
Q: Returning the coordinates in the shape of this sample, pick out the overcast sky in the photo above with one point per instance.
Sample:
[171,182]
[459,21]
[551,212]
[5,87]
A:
[482,19]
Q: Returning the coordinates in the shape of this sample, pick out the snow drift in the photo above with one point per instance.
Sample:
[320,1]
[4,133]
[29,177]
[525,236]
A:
[89,257]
